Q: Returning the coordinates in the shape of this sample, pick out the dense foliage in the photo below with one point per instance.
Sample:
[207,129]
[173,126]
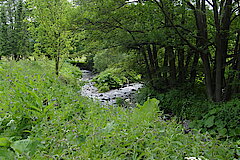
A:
[187,53]
[220,120]
[113,78]
[178,41]
[45,118]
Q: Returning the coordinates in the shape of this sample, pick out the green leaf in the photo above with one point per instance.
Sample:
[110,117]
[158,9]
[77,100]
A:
[33,108]
[25,146]
[109,127]
[4,142]
[222,131]
[6,154]
[213,111]
[210,121]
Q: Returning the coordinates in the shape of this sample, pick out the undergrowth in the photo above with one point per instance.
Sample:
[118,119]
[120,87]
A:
[221,120]
[43,118]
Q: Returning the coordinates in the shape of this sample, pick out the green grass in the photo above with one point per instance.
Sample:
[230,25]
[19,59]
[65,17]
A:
[43,117]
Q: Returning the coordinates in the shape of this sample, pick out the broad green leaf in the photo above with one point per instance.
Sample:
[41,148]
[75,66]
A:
[25,146]
[222,131]
[4,142]
[210,121]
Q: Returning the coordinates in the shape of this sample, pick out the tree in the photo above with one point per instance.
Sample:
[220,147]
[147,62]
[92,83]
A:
[13,28]
[50,26]
[3,33]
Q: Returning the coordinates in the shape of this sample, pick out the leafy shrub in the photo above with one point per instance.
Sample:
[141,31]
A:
[185,104]
[70,74]
[107,58]
[221,120]
[114,78]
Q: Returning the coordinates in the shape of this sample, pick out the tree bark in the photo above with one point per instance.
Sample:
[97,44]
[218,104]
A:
[202,43]
[165,67]
[155,57]
[222,26]
[151,60]
[193,73]
[234,73]
[181,68]
[172,65]
[142,50]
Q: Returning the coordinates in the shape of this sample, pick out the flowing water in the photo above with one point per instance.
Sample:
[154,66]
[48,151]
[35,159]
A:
[126,93]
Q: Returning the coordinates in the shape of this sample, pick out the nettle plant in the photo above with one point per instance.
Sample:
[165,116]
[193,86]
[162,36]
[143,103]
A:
[29,93]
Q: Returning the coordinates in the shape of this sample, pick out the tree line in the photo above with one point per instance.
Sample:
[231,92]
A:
[177,41]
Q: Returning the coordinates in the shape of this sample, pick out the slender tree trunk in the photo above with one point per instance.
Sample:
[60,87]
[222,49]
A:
[222,25]
[142,50]
[155,57]
[181,68]
[165,67]
[172,65]
[201,42]
[219,66]
[194,67]
[188,60]
[208,75]
[151,60]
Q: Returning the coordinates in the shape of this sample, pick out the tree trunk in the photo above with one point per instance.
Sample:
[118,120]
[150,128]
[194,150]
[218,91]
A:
[202,43]
[165,67]
[151,60]
[194,67]
[188,60]
[155,57]
[172,65]
[208,76]
[181,68]
[235,68]
[142,50]
[222,25]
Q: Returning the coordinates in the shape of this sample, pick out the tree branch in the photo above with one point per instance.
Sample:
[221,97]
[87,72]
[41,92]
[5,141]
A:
[209,3]
[160,5]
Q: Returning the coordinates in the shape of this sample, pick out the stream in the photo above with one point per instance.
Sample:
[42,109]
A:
[125,93]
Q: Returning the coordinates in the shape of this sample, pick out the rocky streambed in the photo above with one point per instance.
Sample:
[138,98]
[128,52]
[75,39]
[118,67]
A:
[126,93]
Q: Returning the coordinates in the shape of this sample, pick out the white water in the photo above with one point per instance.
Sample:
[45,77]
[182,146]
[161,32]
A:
[108,98]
